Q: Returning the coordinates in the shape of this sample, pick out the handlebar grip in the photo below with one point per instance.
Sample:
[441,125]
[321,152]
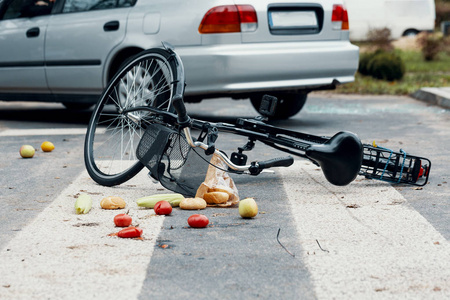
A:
[276,162]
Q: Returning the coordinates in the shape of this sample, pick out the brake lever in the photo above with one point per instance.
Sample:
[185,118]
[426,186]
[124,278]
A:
[211,138]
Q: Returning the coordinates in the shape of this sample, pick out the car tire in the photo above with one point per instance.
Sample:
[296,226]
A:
[289,104]
[411,33]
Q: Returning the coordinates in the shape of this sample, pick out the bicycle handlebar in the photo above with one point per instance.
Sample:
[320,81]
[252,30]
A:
[183,119]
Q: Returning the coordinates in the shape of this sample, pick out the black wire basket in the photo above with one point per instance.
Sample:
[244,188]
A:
[171,160]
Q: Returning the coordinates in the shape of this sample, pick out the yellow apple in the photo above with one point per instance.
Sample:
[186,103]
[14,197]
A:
[248,208]
[26,151]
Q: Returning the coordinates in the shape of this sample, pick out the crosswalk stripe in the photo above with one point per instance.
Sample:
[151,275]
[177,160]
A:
[359,241]
[62,255]
[363,241]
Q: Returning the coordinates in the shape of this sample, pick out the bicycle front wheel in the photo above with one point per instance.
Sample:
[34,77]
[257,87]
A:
[114,134]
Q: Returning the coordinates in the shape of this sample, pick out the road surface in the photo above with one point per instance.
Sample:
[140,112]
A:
[310,240]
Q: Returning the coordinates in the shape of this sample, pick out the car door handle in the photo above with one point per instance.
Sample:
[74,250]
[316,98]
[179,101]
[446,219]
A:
[33,32]
[111,26]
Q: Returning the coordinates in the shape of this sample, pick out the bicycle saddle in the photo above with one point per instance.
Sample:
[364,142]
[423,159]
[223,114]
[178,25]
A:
[340,157]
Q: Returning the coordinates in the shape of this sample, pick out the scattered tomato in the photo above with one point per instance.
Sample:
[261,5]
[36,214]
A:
[198,221]
[162,208]
[122,220]
[130,232]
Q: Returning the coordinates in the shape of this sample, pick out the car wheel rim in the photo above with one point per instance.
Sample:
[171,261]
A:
[135,89]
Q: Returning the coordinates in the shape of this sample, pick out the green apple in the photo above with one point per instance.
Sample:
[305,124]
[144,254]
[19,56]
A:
[26,151]
[248,208]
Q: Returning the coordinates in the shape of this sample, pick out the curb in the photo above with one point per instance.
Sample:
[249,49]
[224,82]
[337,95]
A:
[434,96]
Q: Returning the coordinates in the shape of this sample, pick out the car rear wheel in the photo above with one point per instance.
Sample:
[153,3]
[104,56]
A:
[289,104]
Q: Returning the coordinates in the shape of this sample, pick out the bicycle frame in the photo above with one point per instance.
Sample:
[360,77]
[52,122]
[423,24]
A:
[199,124]
[342,157]
[374,164]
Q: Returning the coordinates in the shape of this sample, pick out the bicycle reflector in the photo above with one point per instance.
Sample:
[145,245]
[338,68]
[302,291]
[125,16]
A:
[396,167]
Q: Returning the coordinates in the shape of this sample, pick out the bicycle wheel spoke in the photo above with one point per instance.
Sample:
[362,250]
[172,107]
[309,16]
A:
[114,135]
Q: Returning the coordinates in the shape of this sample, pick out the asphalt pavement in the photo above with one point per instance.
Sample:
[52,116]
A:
[310,240]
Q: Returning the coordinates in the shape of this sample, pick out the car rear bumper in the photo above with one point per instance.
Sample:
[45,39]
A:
[248,68]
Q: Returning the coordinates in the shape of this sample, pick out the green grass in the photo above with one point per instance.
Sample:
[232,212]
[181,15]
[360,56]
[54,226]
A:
[419,73]
[415,63]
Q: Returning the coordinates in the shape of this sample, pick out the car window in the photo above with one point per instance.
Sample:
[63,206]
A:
[85,5]
[125,3]
[13,10]
[27,8]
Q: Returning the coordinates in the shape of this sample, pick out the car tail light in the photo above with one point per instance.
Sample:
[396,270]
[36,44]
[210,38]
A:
[339,17]
[229,18]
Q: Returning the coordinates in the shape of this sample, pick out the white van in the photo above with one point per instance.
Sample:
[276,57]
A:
[402,17]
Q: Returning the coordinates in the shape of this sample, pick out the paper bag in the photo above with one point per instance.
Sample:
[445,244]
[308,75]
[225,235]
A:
[219,180]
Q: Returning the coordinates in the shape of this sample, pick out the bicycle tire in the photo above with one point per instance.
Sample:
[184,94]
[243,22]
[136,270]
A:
[113,136]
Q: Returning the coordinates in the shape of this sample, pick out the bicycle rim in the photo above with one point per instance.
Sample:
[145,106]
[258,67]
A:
[113,135]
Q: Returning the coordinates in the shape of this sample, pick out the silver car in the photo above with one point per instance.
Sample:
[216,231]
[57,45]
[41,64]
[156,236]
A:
[242,50]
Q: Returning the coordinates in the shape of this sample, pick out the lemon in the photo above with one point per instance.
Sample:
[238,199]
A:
[47,146]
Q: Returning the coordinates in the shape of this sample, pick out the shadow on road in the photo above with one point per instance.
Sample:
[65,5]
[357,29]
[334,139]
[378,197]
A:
[43,112]
[57,113]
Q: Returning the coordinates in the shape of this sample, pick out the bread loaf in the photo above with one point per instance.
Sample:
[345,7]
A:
[112,202]
[216,197]
[221,188]
[192,203]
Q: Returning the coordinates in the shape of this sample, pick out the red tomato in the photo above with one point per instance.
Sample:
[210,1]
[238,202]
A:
[122,220]
[130,232]
[162,208]
[198,221]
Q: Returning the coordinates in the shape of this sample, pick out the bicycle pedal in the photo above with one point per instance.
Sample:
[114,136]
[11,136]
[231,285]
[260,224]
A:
[268,105]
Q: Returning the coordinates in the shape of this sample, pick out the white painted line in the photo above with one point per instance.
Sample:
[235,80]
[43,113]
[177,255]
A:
[375,246]
[46,131]
[61,255]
